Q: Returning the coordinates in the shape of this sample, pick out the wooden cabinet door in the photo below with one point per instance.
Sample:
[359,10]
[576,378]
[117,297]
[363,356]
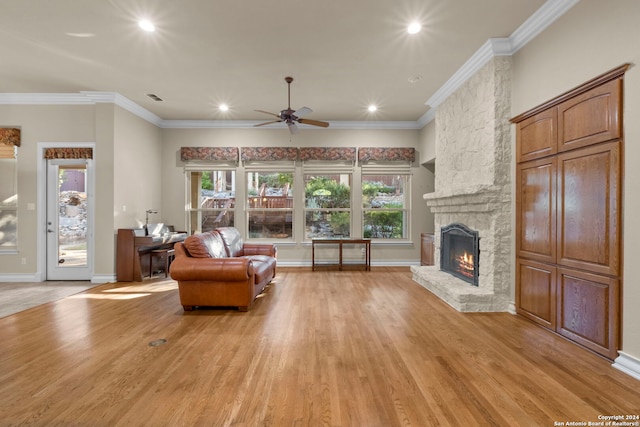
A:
[589,209]
[536,292]
[588,310]
[590,118]
[426,249]
[536,210]
[536,136]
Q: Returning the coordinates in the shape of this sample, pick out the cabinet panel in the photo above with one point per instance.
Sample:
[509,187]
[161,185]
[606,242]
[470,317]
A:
[536,210]
[588,306]
[426,249]
[590,118]
[589,209]
[537,136]
[536,292]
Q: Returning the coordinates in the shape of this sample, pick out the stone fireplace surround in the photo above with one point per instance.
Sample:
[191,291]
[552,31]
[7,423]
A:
[473,187]
[486,210]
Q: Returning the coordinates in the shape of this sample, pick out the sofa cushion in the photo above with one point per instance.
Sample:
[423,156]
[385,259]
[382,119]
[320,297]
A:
[205,245]
[232,240]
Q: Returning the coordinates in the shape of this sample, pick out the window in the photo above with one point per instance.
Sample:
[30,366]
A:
[385,205]
[270,204]
[211,199]
[327,205]
[8,198]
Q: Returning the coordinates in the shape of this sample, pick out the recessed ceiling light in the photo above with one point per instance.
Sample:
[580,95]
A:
[224,107]
[147,25]
[372,108]
[414,28]
[414,79]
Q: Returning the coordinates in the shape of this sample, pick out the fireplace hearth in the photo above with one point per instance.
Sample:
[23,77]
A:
[460,252]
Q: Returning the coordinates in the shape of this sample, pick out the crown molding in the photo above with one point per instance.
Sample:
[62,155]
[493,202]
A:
[534,25]
[250,124]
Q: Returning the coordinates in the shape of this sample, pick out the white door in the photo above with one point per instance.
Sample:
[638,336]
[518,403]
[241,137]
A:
[68,219]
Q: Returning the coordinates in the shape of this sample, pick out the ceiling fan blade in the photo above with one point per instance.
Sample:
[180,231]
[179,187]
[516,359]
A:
[268,123]
[314,122]
[292,128]
[267,112]
[303,111]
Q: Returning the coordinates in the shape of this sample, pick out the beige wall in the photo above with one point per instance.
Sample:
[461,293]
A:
[39,124]
[590,39]
[173,179]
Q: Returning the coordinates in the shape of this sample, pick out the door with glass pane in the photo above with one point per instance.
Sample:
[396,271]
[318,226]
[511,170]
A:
[68,216]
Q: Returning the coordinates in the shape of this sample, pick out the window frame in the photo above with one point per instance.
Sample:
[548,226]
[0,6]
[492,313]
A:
[397,169]
[196,213]
[328,169]
[269,168]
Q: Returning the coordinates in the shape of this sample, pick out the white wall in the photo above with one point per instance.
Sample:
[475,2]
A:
[593,37]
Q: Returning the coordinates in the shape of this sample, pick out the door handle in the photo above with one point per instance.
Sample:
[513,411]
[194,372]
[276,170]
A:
[49,230]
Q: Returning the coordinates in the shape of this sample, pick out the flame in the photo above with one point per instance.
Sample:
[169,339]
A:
[465,264]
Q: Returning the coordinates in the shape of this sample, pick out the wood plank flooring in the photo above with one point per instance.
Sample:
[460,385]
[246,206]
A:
[324,348]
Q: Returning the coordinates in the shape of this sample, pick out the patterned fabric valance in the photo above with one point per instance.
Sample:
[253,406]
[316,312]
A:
[10,136]
[209,153]
[268,154]
[328,153]
[68,153]
[389,154]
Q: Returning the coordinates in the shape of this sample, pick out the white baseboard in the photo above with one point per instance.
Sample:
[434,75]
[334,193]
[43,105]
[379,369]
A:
[103,278]
[628,364]
[37,277]
[305,263]
[31,277]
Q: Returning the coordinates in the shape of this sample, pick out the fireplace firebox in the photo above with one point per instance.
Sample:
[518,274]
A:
[460,252]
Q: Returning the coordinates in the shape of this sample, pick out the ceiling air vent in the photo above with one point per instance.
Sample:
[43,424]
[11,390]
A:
[154,97]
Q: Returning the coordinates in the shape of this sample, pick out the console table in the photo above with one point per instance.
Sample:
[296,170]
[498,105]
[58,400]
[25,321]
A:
[340,243]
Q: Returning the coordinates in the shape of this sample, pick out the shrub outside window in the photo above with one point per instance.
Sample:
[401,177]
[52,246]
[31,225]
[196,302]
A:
[270,205]
[385,206]
[327,206]
[212,200]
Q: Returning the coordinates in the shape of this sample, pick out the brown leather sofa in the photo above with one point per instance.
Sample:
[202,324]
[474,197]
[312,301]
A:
[217,269]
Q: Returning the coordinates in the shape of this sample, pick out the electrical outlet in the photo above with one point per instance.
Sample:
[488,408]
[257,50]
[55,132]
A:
[24,261]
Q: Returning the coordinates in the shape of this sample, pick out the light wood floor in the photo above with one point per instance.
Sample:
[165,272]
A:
[318,348]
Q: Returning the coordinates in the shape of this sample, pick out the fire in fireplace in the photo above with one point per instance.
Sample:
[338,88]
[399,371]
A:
[460,252]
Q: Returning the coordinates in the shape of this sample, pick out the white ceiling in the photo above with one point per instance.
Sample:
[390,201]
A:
[343,54]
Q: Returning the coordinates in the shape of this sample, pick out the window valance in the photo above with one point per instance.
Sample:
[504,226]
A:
[387,154]
[268,154]
[68,153]
[328,153]
[209,153]
[10,136]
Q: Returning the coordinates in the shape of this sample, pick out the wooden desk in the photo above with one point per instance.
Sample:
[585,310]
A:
[340,243]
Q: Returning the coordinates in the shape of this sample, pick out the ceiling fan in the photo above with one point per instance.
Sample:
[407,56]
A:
[290,117]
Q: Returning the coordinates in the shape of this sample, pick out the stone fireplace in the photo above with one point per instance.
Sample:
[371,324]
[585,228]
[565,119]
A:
[473,187]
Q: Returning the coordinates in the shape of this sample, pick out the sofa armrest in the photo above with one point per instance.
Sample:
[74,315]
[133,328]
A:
[218,269]
[259,249]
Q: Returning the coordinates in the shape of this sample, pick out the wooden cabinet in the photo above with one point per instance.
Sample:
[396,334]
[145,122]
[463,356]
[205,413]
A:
[426,249]
[588,310]
[568,213]
[536,292]
[537,136]
[588,215]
